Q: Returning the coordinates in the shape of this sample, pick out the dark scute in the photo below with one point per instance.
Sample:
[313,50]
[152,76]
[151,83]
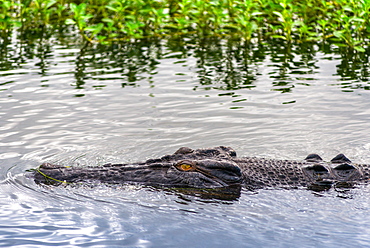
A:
[317,168]
[313,158]
[320,186]
[229,150]
[345,167]
[153,160]
[211,152]
[340,158]
[184,150]
[166,158]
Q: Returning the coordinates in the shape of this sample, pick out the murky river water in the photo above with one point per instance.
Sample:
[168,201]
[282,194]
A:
[90,106]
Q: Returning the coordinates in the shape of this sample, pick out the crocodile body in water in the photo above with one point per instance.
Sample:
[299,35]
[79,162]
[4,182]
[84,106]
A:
[213,168]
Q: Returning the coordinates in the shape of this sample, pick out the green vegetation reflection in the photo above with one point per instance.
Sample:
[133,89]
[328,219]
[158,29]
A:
[228,39]
[222,65]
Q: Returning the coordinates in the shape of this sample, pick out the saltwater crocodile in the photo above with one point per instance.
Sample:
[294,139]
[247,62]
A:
[212,168]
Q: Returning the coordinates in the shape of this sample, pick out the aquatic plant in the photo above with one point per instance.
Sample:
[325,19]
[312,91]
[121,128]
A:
[342,22]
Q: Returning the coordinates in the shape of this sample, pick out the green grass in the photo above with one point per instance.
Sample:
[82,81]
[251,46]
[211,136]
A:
[341,22]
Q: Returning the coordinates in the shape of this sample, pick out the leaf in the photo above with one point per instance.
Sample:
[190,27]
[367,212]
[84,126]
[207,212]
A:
[356,19]
[347,8]
[256,13]
[280,15]
[339,34]
[112,8]
[360,49]
[278,36]
[107,20]
[340,45]
[50,3]
[73,7]
[95,28]
[87,17]
[70,21]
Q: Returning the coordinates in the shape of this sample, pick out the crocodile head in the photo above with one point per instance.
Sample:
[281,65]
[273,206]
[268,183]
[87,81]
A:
[186,168]
[201,168]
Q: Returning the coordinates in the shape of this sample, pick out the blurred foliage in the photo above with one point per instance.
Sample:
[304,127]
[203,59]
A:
[342,22]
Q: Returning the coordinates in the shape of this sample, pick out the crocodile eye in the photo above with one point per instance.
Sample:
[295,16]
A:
[185,166]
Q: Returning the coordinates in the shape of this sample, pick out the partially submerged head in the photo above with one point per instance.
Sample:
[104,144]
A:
[186,168]
[201,168]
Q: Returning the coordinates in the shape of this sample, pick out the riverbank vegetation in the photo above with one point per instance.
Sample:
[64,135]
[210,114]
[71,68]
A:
[341,22]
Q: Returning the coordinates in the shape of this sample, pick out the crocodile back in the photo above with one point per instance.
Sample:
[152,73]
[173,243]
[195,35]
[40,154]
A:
[262,173]
[317,175]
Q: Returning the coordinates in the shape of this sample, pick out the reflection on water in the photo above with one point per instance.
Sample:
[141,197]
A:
[89,105]
[218,64]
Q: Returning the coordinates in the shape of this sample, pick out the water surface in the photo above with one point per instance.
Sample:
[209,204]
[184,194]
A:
[88,105]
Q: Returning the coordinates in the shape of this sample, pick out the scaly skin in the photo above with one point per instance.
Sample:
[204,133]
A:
[213,168]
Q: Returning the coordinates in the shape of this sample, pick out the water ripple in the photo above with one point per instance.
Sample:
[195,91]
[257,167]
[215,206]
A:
[93,106]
